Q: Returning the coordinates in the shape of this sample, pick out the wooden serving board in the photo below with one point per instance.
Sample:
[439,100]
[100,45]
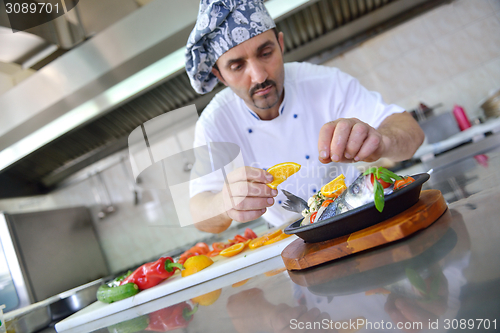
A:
[300,255]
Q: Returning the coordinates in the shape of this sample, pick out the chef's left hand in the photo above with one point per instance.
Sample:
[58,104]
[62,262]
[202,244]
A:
[349,140]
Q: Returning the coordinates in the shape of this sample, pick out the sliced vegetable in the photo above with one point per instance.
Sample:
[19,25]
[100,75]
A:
[240,239]
[403,182]
[313,217]
[108,294]
[250,234]
[199,248]
[381,182]
[326,203]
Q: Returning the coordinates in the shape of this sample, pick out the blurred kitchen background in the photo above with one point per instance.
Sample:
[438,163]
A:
[73,89]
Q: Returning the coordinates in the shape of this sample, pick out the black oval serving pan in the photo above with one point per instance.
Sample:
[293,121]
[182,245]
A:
[361,217]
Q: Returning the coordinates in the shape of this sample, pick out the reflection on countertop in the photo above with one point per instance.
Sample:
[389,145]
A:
[443,274]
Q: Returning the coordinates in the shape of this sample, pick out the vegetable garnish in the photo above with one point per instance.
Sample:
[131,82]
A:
[384,175]
[403,182]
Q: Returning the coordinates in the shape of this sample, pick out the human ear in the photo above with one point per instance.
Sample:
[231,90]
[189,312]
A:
[217,73]
[281,42]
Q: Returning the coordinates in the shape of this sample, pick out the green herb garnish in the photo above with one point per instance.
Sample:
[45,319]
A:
[378,190]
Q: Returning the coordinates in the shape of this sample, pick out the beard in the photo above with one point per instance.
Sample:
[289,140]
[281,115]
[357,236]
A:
[268,100]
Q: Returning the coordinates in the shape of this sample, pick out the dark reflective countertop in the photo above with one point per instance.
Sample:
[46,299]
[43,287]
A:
[443,278]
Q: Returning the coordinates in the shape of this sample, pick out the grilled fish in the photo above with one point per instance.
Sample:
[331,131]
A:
[359,193]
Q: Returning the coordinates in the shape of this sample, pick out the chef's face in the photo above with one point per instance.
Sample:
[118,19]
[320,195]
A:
[254,70]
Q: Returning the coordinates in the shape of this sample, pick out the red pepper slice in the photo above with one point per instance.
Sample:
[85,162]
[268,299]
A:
[203,247]
[240,239]
[213,253]
[326,203]
[152,273]
[171,318]
[249,234]
[313,216]
[402,183]
[218,246]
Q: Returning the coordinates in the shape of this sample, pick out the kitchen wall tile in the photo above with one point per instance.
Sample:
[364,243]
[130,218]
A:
[486,34]
[408,103]
[382,48]
[337,62]
[396,78]
[493,69]
[442,21]
[426,66]
[412,34]
[471,10]
[459,51]
[473,87]
[356,62]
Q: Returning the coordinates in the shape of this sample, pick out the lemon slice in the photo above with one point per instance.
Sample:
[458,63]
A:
[334,188]
[281,172]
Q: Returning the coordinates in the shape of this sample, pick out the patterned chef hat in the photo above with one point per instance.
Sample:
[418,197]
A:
[221,25]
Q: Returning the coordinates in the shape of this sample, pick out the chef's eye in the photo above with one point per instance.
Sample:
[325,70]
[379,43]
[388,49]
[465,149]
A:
[355,189]
[236,67]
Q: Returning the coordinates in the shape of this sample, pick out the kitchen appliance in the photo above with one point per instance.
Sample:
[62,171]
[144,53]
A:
[491,106]
[45,253]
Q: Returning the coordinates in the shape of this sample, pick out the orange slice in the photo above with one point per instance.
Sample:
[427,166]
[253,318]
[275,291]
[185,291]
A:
[207,299]
[277,239]
[260,241]
[233,250]
[239,284]
[334,188]
[281,172]
[275,272]
[257,242]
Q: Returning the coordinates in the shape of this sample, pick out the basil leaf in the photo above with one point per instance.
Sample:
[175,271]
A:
[416,280]
[379,196]
[390,174]
[386,178]
[369,171]
[433,293]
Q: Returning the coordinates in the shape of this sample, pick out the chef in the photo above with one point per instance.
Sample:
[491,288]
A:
[316,116]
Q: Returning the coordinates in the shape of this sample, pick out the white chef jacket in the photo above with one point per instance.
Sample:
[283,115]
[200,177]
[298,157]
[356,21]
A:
[314,95]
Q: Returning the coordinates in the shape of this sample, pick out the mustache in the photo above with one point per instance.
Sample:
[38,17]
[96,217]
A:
[262,85]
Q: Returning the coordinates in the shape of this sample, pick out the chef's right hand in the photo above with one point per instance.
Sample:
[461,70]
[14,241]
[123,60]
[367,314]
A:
[247,196]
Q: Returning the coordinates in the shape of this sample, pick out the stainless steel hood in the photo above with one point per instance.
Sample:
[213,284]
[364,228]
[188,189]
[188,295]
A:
[82,106]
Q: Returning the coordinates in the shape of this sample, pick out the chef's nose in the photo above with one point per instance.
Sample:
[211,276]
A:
[258,72]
